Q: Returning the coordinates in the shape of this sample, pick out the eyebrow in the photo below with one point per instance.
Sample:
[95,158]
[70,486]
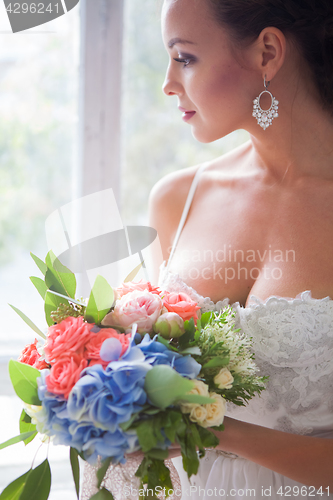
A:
[173,41]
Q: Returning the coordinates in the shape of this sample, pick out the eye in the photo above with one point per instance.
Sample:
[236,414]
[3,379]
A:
[185,60]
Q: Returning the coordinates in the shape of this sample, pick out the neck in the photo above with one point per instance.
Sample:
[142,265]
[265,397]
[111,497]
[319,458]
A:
[299,143]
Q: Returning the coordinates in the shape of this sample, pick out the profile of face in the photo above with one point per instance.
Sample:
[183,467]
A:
[209,76]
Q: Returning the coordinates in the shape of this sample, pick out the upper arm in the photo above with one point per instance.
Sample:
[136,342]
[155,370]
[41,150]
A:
[162,210]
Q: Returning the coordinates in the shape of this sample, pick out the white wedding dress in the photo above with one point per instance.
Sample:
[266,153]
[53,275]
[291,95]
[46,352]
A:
[293,345]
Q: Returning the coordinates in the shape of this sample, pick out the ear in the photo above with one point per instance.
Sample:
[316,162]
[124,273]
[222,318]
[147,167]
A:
[270,52]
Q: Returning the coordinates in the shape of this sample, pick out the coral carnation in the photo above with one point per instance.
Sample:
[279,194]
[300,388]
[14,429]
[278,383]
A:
[182,304]
[65,373]
[139,285]
[30,356]
[93,346]
[69,336]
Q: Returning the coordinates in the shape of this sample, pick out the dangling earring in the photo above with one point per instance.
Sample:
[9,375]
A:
[265,116]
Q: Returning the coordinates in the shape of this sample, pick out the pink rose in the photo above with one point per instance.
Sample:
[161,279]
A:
[93,347]
[69,336]
[30,356]
[65,373]
[181,304]
[130,286]
[141,307]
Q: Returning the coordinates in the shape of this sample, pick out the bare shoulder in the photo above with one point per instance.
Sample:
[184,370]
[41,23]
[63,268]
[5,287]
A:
[166,203]
[168,196]
[171,191]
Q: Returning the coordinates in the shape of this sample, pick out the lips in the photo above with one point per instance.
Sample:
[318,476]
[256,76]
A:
[187,114]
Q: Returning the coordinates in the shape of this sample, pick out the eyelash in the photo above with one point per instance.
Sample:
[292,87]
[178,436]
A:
[186,61]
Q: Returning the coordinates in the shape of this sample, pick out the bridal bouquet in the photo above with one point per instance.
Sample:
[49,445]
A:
[135,368]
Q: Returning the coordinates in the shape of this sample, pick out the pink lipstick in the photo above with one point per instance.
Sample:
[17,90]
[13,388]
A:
[187,115]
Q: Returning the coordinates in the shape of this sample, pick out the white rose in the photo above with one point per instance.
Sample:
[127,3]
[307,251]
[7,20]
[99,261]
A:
[198,414]
[215,411]
[32,411]
[201,389]
[38,416]
[224,379]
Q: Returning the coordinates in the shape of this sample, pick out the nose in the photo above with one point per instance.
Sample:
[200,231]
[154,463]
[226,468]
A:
[170,85]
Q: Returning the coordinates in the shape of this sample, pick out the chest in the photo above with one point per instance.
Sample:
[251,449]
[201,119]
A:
[240,239]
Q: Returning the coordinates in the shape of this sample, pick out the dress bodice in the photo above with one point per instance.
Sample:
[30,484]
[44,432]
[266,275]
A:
[293,345]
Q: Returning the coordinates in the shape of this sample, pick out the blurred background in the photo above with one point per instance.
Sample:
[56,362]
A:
[70,126]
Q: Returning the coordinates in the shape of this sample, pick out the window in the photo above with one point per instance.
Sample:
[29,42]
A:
[155,141]
[38,160]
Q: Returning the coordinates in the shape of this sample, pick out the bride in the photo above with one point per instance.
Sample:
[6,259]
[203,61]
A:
[259,222]
[256,226]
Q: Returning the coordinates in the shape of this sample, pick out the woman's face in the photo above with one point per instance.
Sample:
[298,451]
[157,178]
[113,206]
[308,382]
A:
[207,78]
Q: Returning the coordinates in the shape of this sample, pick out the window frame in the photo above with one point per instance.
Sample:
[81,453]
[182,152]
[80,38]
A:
[100,93]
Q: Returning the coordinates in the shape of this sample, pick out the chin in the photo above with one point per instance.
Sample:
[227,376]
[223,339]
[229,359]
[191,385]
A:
[206,136]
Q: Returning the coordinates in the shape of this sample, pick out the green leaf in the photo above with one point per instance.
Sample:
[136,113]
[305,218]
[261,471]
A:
[41,265]
[150,411]
[102,471]
[24,380]
[103,494]
[28,321]
[16,439]
[146,437]
[216,362]
[100,301]
[154,473]
[27,426]
[197,399]
[58,277]
[208,438]
[38,483]
[172,423]
[127,425]
[206,318]
[164,386]
[52,302]
[218,428]
[73,456]
[166,343]
[13,490]
[132,274]
[158,453]
[67,299]
[196,436]
[191,350]
[40,285]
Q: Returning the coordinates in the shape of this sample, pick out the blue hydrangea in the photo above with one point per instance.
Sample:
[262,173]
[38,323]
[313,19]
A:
[54,420]
[157,353]
[107,398]
[102,400]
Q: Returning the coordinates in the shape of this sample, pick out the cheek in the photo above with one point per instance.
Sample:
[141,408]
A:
[224,85]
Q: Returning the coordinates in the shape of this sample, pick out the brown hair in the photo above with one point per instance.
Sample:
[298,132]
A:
[309,23]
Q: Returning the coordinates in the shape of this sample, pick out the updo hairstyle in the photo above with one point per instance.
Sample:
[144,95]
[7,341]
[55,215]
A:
[308,23]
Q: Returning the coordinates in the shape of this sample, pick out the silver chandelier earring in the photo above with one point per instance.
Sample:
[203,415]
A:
[265,116]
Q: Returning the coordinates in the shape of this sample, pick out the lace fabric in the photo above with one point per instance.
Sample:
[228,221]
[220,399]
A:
[121,481]
[293,345]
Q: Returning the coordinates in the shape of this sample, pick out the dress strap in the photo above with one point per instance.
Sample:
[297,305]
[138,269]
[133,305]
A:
[186,209]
